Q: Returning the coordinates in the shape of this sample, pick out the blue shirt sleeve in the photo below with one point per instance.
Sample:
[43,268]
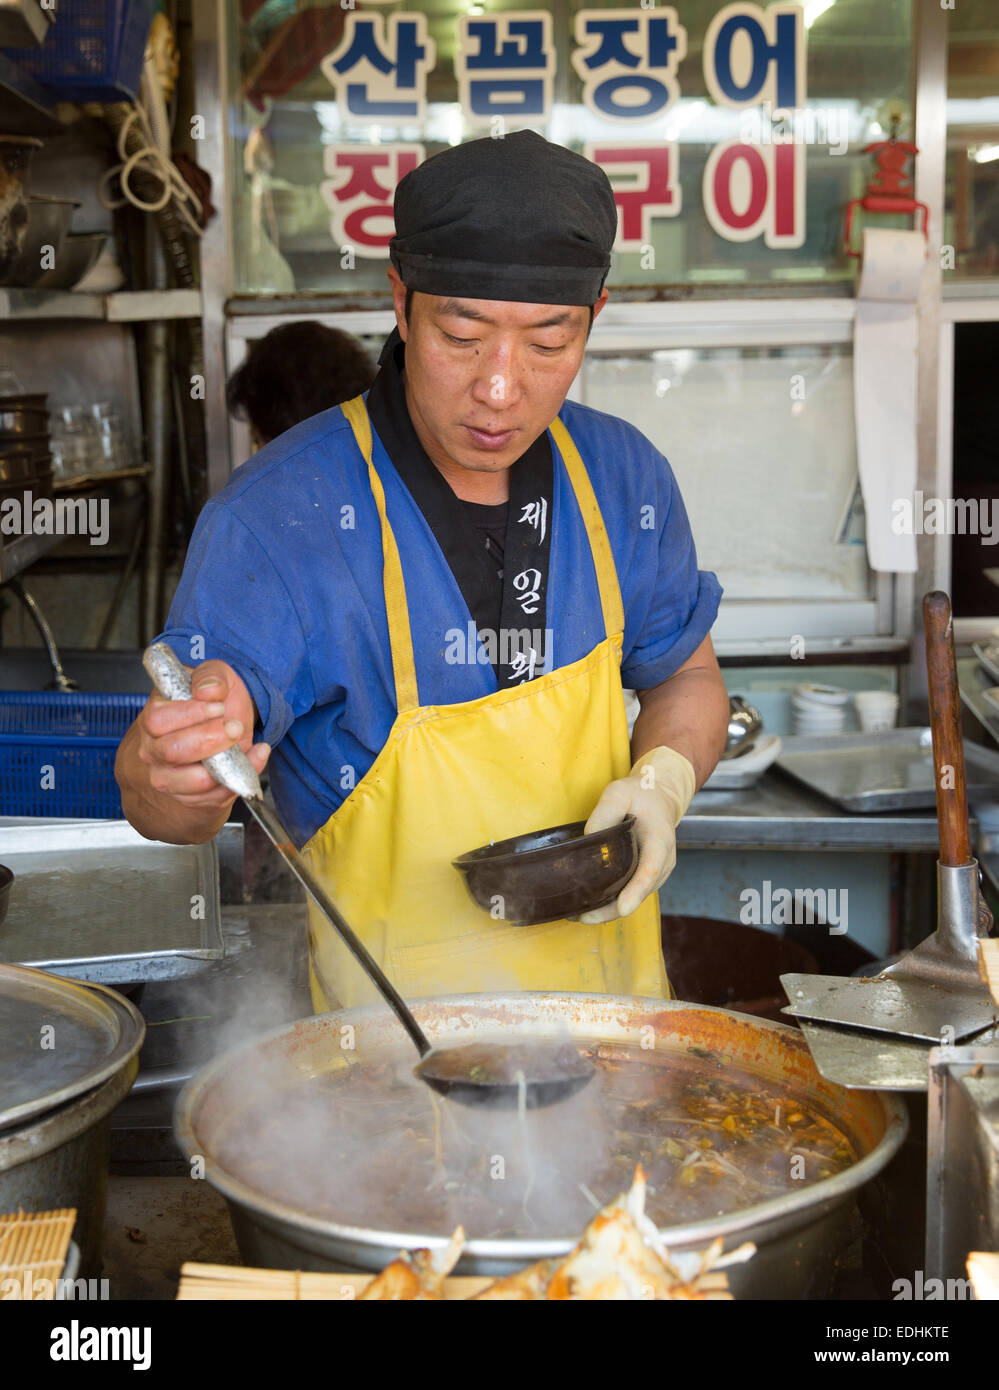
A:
[233,605]
[684,600]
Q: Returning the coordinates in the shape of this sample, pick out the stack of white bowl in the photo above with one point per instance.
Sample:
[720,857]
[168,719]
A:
[819,709]
[877,710]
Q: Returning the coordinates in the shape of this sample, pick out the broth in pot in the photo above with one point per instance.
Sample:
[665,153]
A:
[365,1144]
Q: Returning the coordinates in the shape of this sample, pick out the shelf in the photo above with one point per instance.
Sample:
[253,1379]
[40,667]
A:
[21,552]
[125,306]
[135,306]
[49,304]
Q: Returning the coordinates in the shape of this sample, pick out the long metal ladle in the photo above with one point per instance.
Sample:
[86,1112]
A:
[473,1073]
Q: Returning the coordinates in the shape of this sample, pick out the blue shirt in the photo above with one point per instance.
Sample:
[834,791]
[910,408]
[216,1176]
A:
[283,580]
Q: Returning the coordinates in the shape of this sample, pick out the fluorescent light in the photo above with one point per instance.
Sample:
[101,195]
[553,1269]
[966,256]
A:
[815,8]
[986,154]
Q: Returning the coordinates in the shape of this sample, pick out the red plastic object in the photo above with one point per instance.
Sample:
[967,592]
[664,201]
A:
[889,191]
[292,52]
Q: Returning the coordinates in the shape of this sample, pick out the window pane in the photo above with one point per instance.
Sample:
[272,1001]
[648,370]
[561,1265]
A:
[762,444]
[972,213]
[285,120]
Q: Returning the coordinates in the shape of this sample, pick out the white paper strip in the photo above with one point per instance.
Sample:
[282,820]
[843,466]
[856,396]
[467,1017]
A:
[884,380]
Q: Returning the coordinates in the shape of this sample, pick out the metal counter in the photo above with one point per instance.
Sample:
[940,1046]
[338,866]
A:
[778,813]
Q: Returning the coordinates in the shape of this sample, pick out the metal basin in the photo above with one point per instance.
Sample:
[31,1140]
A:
[25,414]
[76,259]
[798,1235]
[15,161]
[48,224]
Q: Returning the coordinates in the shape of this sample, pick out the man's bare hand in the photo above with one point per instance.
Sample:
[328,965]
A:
[166,792]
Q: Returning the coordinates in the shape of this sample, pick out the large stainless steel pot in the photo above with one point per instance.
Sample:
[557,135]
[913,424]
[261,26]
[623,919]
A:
[62,1161]
[56,1102]
[798,1235]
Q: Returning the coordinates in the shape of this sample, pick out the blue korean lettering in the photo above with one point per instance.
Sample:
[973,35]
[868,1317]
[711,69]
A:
[782,53]
[625,56]
[659,41]
[494,53]
[505,65]
[401,58]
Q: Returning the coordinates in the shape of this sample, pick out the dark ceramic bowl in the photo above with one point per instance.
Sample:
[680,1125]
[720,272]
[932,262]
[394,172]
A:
[546,875]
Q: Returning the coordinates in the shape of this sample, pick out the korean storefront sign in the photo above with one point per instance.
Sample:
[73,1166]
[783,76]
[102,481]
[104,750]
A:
[629,62]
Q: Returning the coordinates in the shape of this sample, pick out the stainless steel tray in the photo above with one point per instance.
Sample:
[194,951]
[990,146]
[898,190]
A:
[95,901]
[988,655]
[890,771]
[972,681]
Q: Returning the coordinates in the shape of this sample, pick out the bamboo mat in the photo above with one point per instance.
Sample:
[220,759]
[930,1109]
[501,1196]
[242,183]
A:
[35,1244]
[226,1283]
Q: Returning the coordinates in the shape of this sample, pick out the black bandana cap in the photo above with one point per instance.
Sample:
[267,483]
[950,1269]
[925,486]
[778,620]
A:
[518,218]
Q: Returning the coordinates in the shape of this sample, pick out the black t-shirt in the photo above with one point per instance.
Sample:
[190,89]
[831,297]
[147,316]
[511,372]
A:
[490,521]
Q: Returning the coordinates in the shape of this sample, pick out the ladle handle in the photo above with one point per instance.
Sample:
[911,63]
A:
[945,723]
[233,770]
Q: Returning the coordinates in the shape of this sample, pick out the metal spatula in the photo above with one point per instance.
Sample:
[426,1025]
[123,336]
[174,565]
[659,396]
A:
[933,994]
[479,1073]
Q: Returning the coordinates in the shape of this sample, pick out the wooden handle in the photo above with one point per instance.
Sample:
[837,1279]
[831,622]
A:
[945,721]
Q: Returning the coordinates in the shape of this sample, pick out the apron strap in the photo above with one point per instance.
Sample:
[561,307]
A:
[396,608]
[603,559]
[400,635]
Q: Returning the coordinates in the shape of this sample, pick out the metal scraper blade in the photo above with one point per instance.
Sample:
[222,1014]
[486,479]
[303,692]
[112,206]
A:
[874,1061]
[867,1061]
[911,1008]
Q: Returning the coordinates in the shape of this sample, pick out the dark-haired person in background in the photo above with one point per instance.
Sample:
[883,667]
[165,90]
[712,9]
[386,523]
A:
[294,372]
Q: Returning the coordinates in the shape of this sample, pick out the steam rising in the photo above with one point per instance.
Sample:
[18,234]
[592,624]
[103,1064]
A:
[330,1120]
[383,1150]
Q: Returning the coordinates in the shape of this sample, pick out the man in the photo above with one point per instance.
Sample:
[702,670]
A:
[427,600]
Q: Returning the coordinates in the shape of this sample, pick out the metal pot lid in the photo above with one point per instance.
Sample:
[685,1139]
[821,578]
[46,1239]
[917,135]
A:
[59,1038]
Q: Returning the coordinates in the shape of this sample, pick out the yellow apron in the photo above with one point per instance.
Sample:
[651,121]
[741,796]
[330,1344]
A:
[453,777]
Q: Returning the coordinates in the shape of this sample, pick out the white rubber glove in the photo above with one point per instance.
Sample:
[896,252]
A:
[657,792]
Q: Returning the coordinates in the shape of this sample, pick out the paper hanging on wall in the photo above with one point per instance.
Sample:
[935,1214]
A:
[884,391]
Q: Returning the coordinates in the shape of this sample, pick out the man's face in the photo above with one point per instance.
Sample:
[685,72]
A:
[484,378]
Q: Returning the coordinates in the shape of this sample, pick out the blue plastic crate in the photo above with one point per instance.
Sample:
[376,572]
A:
[93,51]
[57,752]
